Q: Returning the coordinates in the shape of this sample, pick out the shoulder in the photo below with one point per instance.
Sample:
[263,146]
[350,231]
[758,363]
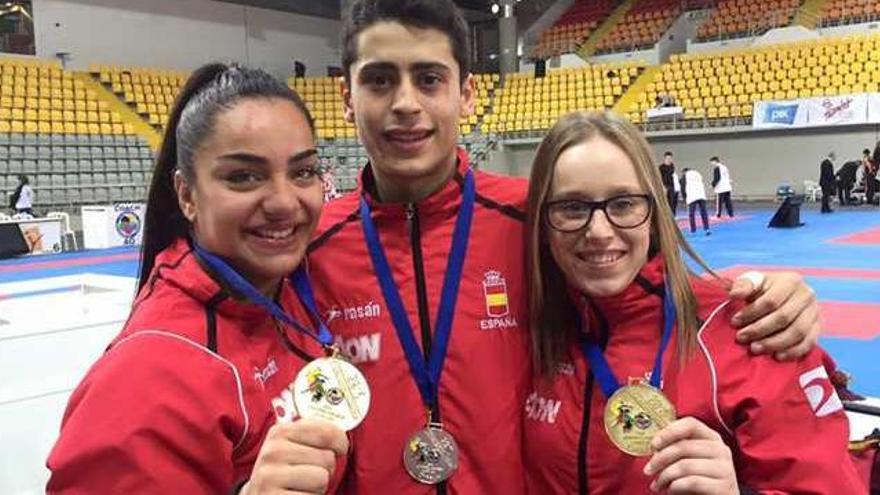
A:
[504,191]
[338,211]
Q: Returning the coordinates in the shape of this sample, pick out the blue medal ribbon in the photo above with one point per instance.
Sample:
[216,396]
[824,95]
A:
[599,366]
[426,375]
[301,285]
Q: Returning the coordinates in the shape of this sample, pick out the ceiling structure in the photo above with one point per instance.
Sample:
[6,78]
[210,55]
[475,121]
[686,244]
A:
[473,9]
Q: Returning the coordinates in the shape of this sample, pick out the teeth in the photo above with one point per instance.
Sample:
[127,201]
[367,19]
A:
[601,257]
[275,234]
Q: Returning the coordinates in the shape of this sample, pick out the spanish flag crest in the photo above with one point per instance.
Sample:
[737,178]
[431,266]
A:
[495,290]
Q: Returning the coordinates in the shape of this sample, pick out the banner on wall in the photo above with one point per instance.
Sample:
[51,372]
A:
[817,112]
[779,114]
[42,235]
[838,110]
[874,107]
[114,225]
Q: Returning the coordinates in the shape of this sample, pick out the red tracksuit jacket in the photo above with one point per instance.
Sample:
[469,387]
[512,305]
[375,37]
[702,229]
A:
[783,421]
[487,365]
[182,399]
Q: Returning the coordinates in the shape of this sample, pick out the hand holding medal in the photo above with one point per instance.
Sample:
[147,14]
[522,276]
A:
[331,396]
[688,457]
[298,456]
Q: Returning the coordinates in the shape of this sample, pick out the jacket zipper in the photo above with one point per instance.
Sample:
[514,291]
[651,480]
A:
[412,220]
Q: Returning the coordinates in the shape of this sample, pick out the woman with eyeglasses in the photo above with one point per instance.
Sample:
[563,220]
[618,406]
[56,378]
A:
[640,385]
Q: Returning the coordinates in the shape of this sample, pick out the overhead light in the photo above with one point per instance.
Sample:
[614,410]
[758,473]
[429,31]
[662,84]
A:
[494,8]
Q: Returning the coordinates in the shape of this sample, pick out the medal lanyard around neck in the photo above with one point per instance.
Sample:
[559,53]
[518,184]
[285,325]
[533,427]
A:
[599,366]
[301,285]
[426,375]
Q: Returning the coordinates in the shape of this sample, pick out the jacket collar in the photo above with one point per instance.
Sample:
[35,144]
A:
[179,266]
[445,199]
[644,294]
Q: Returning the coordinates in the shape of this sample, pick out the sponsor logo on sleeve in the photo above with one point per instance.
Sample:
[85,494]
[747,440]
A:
[820,392]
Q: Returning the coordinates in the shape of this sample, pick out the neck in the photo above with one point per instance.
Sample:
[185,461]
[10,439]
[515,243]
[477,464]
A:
[392,189]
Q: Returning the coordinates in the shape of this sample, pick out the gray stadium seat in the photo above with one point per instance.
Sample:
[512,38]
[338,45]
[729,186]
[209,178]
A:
[16,139]
[29,166]
[73,196]
[88,165]
[87,196]
[4,139]
[57,139]
[44,151]
[97,152]
[4,151]
[110,164]
[44,166]
[71,179]
[4,169]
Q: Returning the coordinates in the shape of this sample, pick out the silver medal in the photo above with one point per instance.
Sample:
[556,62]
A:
[431,455]
[333,390]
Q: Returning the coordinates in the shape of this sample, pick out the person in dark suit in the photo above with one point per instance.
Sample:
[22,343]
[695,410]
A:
[667,176]
[845,179]
[826,181]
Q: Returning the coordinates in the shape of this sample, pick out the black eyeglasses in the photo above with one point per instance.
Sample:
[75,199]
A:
[627,211]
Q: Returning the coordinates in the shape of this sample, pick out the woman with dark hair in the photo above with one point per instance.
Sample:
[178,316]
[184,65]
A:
[196,393]
[22,200]
[642,388]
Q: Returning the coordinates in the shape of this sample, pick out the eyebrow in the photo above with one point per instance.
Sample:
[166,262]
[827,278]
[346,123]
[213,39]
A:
[578,195]
[417,66]
[252,159]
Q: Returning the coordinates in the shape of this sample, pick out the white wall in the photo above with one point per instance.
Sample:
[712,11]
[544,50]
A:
[182,34]
[759,160]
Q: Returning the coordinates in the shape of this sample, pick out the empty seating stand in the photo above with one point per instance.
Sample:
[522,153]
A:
[746,18]
[641,27]
[573,28]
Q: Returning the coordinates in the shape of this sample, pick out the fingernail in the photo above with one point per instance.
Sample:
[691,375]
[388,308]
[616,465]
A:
[742,337]
[757,348]
[647,469]
[653,486]
[781,356]
[736,320]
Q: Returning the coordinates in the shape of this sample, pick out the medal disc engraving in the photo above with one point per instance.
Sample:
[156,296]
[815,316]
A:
[634,414]
[333,390]
[431,455]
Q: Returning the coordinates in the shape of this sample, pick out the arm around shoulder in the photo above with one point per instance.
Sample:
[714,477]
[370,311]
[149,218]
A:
[791,431]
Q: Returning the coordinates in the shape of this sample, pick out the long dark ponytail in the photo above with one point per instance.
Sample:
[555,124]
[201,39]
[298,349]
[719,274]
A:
[210,90]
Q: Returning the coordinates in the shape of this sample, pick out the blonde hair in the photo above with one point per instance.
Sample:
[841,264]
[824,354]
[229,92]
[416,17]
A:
[550,307]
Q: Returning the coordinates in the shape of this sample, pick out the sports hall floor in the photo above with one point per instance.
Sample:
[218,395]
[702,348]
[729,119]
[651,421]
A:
[58,311]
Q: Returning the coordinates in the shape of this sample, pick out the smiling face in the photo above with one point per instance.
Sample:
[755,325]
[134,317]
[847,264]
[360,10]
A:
[256,197]
[601,259]
[406,98]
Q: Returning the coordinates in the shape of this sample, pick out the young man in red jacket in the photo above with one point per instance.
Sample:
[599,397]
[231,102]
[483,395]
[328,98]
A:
[420,270]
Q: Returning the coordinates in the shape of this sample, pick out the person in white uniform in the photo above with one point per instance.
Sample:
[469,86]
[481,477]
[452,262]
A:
[723,186]
[695,194]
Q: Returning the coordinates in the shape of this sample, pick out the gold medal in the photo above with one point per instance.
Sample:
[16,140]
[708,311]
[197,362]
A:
[634,414]
[333,390]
